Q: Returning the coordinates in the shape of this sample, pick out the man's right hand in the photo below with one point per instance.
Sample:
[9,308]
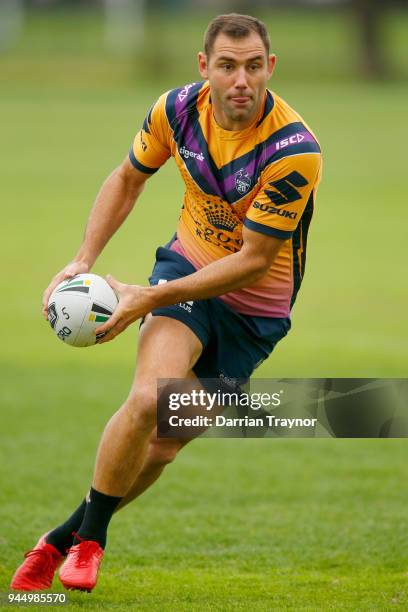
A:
[73,268]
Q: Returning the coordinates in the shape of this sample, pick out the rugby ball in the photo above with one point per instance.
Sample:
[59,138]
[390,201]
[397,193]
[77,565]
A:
[79,305]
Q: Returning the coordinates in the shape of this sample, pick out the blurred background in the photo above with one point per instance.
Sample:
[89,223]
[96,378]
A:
[132,39]
[76,80]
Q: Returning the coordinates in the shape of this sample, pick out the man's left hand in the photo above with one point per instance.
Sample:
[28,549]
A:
[135,302]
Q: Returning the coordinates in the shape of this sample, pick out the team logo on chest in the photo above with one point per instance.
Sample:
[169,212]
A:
[242,181]
[220,217]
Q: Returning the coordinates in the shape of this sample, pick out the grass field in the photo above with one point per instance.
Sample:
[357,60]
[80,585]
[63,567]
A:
[233,524]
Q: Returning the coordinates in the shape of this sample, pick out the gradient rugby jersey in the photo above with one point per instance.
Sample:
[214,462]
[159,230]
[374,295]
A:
[264,177]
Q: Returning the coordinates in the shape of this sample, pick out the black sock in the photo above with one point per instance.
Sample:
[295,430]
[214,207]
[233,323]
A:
[61,537]
[98,513]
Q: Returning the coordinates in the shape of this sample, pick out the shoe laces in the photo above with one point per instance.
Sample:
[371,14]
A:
[85,550]
[45,556]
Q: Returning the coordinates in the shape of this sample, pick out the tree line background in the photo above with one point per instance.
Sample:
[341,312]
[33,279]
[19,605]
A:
[135,25]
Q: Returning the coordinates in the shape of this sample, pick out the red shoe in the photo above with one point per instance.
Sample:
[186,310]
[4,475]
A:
[37,571]
[80,569]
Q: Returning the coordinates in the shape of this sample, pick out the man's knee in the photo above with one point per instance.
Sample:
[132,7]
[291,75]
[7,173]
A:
[141,406]
[163,451]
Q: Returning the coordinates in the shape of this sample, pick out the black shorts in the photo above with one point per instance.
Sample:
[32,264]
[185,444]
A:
[233,344]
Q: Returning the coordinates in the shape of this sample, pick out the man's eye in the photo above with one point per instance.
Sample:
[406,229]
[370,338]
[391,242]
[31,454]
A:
[254,67]
[227,67]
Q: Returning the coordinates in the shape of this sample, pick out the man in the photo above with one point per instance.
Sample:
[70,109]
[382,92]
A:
[251,167]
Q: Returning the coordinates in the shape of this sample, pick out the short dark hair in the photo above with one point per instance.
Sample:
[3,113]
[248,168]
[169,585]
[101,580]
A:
[234,25]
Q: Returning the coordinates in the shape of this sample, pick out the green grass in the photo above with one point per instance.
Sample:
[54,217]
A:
[285,525]
[266,524]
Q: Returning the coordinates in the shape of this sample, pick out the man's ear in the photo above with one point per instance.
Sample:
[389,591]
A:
[271,64]
[202,64]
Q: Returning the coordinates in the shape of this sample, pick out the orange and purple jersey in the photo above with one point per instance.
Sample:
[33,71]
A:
[264,177]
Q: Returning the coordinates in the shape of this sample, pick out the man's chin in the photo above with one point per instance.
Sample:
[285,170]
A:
[241,115]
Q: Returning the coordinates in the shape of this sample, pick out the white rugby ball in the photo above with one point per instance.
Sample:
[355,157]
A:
[78,306]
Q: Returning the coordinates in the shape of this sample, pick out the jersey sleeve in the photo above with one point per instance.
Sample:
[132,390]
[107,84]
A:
[286,187]
[151,146]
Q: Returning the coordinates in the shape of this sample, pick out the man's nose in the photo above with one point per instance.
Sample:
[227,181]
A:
[241,78]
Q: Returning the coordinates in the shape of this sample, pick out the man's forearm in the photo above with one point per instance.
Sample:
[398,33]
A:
[219,277]
[113,203]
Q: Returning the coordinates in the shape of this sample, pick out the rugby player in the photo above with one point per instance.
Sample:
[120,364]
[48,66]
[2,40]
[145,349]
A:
[221,290]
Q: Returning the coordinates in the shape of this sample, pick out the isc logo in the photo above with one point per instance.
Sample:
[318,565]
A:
[184,92]
[295,139]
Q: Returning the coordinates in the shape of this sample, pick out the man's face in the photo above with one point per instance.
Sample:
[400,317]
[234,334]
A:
[238,71]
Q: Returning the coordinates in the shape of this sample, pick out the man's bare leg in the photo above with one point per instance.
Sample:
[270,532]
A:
[160,452]
[155,360]
[167,349]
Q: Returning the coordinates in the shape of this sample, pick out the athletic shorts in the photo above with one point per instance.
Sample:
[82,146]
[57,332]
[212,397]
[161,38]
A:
[233,344]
